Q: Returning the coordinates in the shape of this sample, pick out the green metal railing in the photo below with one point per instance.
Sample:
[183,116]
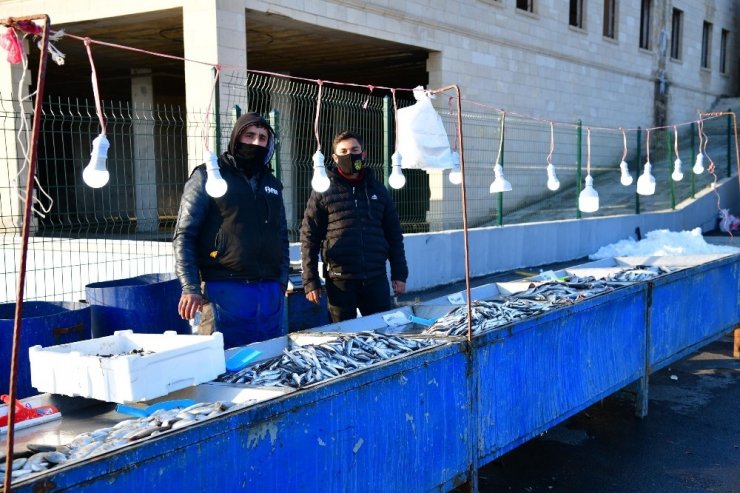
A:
[153,148]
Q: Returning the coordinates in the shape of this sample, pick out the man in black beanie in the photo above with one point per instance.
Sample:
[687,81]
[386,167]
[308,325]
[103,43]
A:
[231,252]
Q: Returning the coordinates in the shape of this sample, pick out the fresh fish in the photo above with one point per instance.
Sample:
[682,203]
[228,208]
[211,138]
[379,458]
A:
[309,364]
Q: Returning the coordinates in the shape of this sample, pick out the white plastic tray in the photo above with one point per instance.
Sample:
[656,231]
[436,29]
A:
[127,367]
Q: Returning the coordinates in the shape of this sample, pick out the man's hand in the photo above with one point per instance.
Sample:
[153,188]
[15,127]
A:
[399,287]
[314,296]
[189,305]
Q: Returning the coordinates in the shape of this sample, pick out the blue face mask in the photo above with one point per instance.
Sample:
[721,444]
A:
[350,163]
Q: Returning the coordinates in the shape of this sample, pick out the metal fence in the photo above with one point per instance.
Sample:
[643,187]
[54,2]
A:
[83,235]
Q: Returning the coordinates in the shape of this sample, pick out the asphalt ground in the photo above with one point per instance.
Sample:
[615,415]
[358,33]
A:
[688,443]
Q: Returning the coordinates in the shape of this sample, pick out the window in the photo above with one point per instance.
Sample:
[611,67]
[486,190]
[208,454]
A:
[676,34]
[706,44]
[723,51]
[576,13]
[610,19]
[527,5]
[645,12]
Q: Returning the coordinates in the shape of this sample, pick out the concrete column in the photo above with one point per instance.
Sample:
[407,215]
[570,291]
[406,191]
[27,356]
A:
[144,156]
[214,32]
[12,158]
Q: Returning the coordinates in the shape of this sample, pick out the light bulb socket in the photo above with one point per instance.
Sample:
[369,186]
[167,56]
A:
[626,178]
[396,179]
[588,199]
[320,182]
[500,184]
[216,186]
[95,174]
[677,174]
[552,178]
[698,164]
[646,181]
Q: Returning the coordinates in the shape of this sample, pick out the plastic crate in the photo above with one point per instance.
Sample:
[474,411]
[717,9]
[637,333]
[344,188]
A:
[127,367]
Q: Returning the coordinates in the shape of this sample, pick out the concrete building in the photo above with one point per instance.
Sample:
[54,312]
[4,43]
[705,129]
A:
[613,63]
[661,59]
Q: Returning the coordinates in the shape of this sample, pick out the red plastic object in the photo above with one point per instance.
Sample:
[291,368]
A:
[9,41]
[25,412]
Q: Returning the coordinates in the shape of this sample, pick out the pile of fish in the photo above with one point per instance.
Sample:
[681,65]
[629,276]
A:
[486,315]
[572,290]
[539,298]
[103,440]
[637,274]
[312,363]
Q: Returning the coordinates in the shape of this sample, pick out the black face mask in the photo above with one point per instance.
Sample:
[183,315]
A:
[350,163]
[250,158]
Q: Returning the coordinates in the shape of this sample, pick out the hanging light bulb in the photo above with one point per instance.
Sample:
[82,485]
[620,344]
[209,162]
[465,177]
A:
[626,178]
[699,164]
[320,182]
[552,179]
[500,184]
[456,172]
[677,174]
[95,174]
[396,179]
[588,200]
[215,184]
[646,181]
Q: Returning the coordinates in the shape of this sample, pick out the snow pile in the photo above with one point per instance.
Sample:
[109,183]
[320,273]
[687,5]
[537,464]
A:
[662,242]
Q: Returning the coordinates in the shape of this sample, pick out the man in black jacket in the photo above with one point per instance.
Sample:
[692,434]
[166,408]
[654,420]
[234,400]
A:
[355,225]
[236,244]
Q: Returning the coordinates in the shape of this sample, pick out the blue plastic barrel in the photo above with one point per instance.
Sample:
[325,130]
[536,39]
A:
[144,304]
[45,323]
[301,314]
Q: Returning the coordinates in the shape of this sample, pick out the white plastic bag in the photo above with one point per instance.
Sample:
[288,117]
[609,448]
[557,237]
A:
[422,140]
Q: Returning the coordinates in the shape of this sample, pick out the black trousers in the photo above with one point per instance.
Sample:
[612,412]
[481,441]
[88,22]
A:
[345,297]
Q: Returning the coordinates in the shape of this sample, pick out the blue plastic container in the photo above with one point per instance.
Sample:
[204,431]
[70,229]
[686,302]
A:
[44,323]
[301,314]
[143,304]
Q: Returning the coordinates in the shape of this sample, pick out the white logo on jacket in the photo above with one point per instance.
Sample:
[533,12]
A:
[271,190]
[374,197]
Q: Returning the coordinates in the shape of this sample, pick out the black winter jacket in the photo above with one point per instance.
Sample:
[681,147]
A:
[242,235]
[357,229]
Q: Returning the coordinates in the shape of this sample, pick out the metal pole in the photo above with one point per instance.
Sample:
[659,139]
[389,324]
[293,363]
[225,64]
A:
[275,124]
[578,166]
[737,148]
[473,471]
[729,142]
[693,158]
[32,158]
[387,135]
[670,168]
[500,198]
[639,158]
[217,112]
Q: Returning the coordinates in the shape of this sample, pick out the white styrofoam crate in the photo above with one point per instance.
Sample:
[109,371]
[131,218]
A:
[127,367]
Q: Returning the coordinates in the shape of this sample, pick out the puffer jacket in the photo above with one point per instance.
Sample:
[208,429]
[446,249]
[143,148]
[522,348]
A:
[242,235]
[356,228]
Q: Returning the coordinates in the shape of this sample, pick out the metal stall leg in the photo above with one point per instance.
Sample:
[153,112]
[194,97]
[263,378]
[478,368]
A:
[641,400]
